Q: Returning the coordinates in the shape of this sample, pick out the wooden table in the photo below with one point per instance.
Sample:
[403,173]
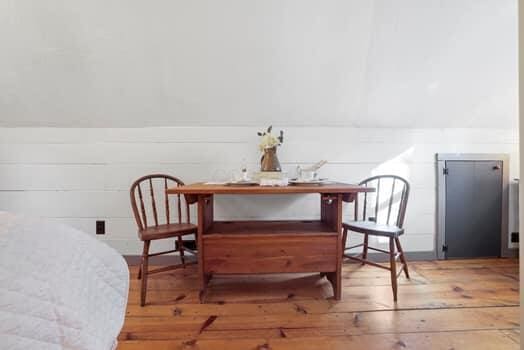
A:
[254,247]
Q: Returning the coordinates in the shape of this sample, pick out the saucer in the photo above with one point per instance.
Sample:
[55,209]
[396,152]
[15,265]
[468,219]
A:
[308,182]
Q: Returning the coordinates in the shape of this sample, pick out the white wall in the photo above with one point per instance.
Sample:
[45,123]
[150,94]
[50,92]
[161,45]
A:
[370,85]
[361,63]
[77,176]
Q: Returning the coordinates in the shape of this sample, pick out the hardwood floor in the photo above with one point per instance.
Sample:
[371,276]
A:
[457,304]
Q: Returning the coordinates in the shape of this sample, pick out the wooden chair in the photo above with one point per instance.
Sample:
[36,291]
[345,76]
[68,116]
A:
[391,226]
[149,231]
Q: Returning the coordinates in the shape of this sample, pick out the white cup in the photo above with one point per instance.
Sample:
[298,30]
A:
[308,175]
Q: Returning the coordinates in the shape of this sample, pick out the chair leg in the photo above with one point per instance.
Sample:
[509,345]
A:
[180,246]
[344,238]
[140,270]
[365,248]
[402,257]
[393,267]
[145,259]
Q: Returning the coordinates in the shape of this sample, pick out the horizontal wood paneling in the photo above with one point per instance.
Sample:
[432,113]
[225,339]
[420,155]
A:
[216,152]
[113,176]
[76,176]
[244,134]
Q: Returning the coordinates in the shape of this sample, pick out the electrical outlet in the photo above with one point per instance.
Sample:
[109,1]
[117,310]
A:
[514,237]
[100,227]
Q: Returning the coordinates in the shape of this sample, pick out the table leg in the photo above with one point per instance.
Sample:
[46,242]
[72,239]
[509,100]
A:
[331,213]
[205,220]
[203,291]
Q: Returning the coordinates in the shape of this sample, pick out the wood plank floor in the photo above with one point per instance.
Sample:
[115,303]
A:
[456,304]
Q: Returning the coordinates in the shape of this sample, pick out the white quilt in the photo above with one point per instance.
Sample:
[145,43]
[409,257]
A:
[59,287]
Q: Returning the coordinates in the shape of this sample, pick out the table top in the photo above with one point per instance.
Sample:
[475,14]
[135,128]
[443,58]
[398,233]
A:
[332,188]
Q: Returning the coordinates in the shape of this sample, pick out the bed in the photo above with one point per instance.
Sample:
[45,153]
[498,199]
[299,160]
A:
[60,288]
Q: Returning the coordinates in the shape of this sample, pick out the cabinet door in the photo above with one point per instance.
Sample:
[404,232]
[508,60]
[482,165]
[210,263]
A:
[473,208]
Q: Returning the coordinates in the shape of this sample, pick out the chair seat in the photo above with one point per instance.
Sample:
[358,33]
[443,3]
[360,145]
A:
[373,228]
[166,231]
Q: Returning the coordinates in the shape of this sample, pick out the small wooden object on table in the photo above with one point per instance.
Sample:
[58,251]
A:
[255,247]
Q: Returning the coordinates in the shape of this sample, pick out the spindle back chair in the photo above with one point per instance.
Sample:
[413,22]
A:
[391,191]
[379,182]
[157,228]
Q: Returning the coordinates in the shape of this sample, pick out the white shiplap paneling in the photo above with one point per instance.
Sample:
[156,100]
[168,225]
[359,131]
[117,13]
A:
[76,176]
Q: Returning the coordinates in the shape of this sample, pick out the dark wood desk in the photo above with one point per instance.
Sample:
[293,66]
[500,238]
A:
[254,247]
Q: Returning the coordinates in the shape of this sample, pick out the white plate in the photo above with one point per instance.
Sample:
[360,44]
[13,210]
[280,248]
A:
[309,182]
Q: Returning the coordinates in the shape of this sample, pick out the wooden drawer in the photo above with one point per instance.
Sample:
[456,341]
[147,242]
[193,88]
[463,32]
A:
[269,253]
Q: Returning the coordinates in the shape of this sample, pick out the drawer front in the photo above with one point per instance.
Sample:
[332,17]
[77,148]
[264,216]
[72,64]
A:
[269,253]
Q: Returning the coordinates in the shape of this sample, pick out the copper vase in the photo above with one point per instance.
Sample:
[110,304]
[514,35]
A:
[269,161]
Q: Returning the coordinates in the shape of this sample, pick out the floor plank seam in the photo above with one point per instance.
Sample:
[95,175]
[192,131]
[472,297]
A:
[346,312]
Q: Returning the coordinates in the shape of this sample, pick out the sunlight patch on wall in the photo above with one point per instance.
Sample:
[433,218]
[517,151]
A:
[400,166]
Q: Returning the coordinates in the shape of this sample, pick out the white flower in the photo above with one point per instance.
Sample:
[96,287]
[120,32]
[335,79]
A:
[268,140]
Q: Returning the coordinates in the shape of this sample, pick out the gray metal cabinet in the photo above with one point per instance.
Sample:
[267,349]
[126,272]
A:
[472,206]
